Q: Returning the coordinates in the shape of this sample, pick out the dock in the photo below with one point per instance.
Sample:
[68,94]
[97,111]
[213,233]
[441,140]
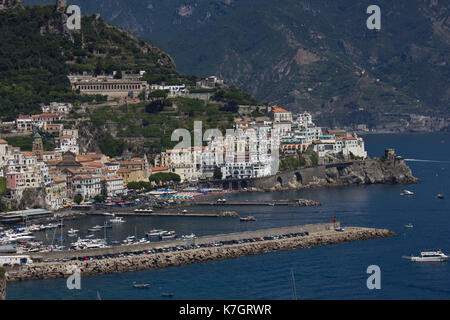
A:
[318,235]
[273,203]
[230,214]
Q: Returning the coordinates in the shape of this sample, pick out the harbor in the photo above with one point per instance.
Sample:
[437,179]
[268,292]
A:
[203,249]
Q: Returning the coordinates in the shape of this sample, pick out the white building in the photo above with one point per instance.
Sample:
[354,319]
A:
[87,186]
[57,107]
[174,90]
[113,186]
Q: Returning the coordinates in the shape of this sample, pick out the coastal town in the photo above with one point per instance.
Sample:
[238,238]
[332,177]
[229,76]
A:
[65,173]
[116,157]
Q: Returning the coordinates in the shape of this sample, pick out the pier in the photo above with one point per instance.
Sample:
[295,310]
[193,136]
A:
[231,214]
[289,203]
[317,235]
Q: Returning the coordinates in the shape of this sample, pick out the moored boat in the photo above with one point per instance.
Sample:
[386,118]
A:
[117,220]
[167,235]
[247,219]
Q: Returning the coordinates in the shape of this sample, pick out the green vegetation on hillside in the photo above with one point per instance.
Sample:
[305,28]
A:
[25,143]
[34,64]
[156,121]
[3,189]
[110,146]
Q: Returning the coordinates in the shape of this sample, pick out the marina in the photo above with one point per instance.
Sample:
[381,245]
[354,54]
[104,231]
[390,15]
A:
[98,260]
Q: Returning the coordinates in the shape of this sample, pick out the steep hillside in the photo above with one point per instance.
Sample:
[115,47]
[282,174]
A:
[315,55]
[37,54]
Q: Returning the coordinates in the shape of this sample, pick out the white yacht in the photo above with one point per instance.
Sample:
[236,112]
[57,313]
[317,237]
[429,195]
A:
[155,233]
[167,235]
[430,256]
[188,237]
[117,220]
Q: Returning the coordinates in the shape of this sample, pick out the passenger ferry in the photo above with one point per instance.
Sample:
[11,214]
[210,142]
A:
[430,256]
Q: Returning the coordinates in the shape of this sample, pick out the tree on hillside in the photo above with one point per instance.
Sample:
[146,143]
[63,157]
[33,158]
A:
[78,198]
[217,173]
[164,177]
[118,75]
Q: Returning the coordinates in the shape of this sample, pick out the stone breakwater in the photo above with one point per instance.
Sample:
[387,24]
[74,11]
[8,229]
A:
[171,259]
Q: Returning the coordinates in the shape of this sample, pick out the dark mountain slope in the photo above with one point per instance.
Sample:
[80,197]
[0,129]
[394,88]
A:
[315,55]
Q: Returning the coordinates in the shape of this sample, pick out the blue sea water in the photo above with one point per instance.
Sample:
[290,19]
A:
[329,272]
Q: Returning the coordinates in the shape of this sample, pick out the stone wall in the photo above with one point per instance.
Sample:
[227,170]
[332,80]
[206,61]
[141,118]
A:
[161,260]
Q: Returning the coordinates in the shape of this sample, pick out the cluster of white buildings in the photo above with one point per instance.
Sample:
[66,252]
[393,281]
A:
[64,172]
[255,147]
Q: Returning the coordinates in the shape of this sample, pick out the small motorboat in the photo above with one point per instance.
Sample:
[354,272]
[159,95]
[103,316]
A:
[140,285]
[188,237]
[409,225]
[440,196]
[166,294]
[72,231]
[407,193]
[95,229]
[248,219]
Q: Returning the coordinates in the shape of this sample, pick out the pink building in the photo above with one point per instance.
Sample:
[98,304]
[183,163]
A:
[14,181]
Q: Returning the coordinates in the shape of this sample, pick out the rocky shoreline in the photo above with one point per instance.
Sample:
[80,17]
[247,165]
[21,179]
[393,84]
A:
[171,259]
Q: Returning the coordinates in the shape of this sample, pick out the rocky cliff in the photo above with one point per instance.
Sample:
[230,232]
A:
[391,170]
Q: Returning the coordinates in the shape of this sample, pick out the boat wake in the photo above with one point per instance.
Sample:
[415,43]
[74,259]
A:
[431,161]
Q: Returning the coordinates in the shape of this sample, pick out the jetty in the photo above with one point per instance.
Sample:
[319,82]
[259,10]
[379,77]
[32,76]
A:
[178,213]
[289,203]
[262,241]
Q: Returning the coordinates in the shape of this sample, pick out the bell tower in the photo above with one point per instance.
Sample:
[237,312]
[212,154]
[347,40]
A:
[38,146]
